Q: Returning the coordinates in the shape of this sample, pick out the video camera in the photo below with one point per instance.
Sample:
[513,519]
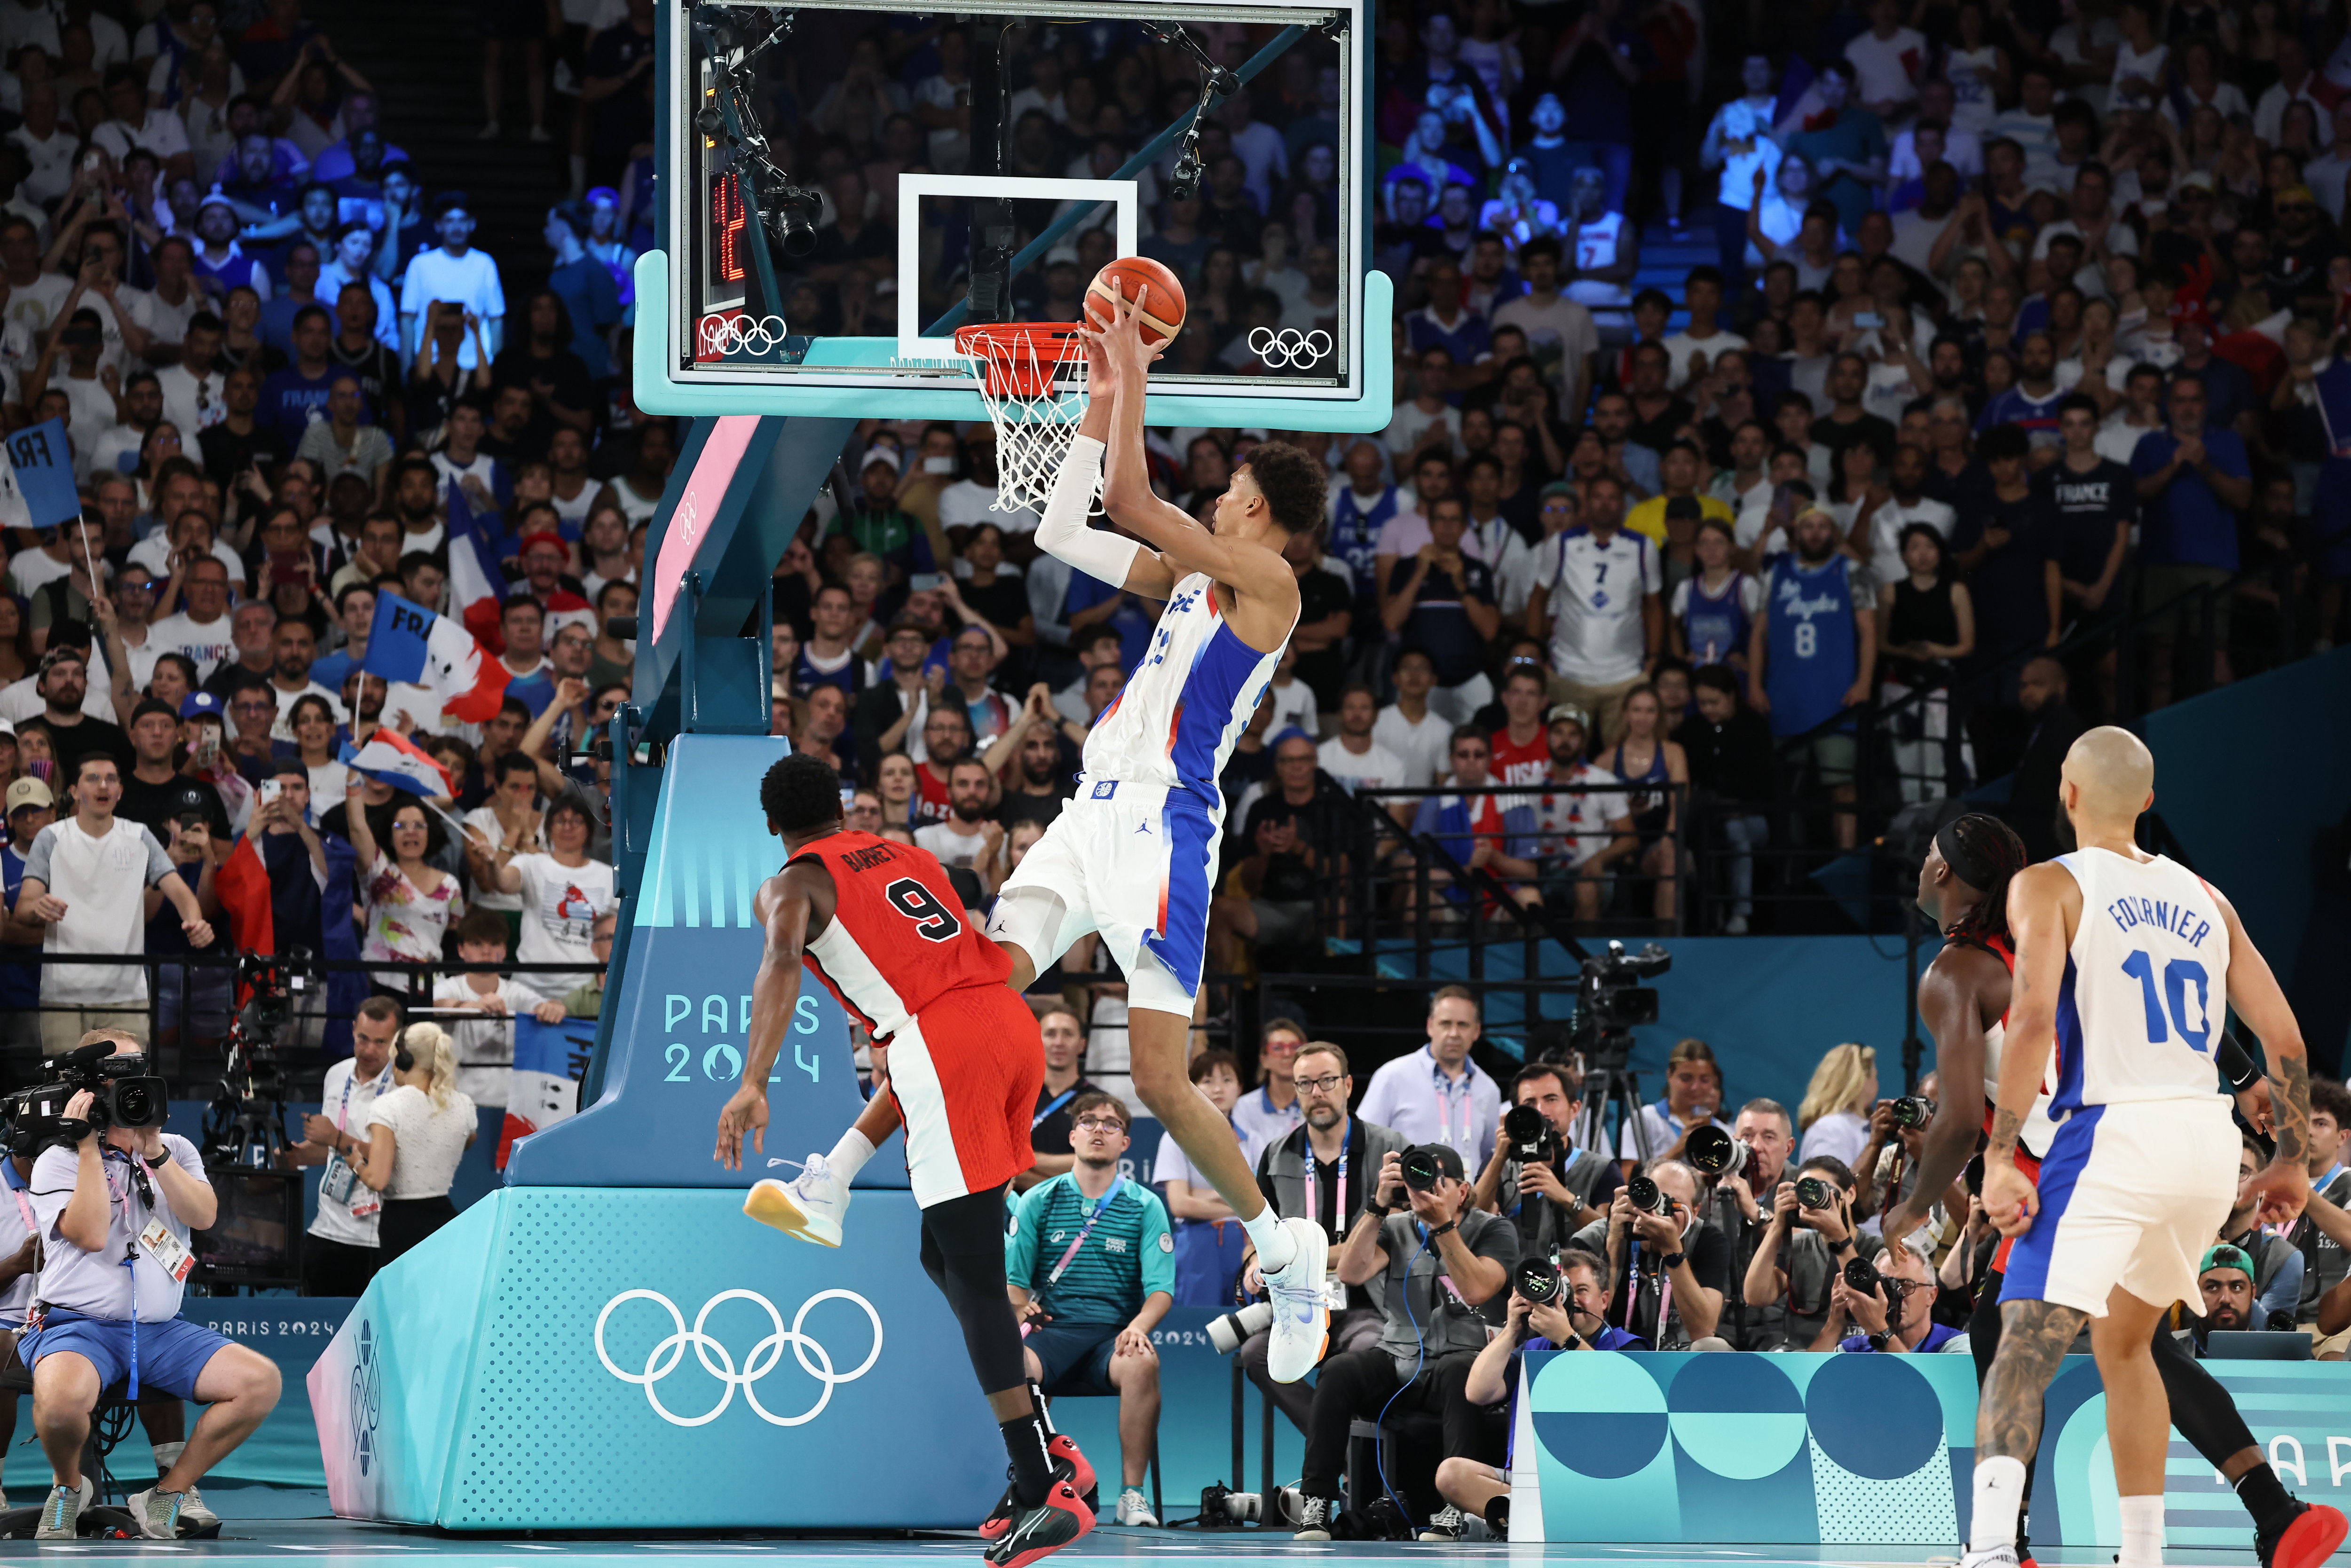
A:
[122,1094]
[1528,1133]
[1611,1002]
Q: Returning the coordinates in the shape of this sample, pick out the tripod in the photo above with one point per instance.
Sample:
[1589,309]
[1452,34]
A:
[1620,1087]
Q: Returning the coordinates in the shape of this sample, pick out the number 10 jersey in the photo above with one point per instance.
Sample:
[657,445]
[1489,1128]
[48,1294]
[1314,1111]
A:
[2145,990]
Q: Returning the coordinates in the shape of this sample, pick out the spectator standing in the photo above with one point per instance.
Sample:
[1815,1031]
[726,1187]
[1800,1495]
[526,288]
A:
[1437,1094]
[1090,1309]
[1063,1034]
[30,809]
[1409,728]
[1443,603]
[85,881]
[1813,653]
[486,1048]
[1269,1112]
[1595,602]
[342,1249]
[417,1134]
[1845,145]
[455,273]
[1739,142]
[1575,822]
[409,901]
[1729,751]
[2194,481]
[1354,757]
[563,893]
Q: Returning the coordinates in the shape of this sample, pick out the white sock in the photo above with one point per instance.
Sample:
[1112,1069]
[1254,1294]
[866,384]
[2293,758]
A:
[1275,1246]
[850,1155]
[2142,1518]
[2000,1497]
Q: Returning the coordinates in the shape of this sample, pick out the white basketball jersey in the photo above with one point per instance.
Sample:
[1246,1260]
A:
[2039,1128]
[2145,990]
[1187,701]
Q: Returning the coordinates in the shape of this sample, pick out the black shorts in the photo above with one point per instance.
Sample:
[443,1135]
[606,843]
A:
[1074,1358]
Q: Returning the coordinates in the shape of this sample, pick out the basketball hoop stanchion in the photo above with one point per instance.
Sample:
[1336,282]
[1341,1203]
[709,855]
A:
[1033,379]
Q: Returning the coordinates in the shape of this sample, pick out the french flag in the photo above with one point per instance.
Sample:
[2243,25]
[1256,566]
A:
[410,644]
[476,585]
[390,758]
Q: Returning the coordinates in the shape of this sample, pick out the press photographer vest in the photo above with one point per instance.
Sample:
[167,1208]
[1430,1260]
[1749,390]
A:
[1811,1271]
[1543,1223]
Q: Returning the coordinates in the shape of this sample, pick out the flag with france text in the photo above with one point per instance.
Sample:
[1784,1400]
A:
[410,644]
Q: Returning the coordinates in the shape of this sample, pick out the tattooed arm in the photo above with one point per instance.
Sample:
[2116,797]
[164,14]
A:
[2284,1183]
[2044,903]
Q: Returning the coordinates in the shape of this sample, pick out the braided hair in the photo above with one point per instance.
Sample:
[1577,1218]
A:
[1984,853]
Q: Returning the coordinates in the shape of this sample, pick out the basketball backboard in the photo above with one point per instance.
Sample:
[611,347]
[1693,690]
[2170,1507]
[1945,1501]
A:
[999,161]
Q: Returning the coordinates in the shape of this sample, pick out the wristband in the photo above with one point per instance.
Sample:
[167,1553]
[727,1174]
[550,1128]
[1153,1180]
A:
[1436,1230]
[2235,1065]
[1378,1211]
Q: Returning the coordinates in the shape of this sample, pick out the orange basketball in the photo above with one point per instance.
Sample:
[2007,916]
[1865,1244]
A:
[1163,307]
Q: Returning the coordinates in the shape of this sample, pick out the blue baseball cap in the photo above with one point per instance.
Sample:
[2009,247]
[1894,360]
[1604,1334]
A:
[196,704]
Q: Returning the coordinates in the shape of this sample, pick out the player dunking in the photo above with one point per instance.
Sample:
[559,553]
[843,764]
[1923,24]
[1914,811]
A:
[1133,856]
[2127,963]
[882,928]
[1963,997]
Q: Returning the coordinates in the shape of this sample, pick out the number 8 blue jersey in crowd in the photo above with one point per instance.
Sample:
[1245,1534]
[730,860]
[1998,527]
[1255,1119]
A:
[1814,652]
[2146,987]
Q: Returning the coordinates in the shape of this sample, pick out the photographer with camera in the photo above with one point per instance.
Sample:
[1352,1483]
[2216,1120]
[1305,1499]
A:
[1743,1164]
[1810,1237]
[1888,1301]
[342,1250]
[1669,1263]
[1553,1306]
[116,1204]
[1322,1170]
[1438,1260]
[1890,1158]
[1538,1178]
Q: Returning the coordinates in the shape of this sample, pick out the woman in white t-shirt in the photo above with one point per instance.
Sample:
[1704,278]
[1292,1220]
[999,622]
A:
[416,1135]
[409,901]
[562,892]
[1834,1117]
[1208,1239]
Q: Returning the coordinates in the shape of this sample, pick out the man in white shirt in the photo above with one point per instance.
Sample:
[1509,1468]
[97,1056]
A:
[136,124]
[2141,412]
[1704,335]
[1887,62]
[1597,600]
[116,1212]
[49,146]
[339,1257]
[1908,505]
[1560,334]
[85,881]
[1410,729]
[967,836]
[1437,1094]
[194,389]
[1408,429]
[2293,86]
[1264,155]
[1355,758]
[455,272]
[201,630]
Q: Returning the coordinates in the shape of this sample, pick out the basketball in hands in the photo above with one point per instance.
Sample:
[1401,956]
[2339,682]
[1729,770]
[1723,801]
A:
[1163,306]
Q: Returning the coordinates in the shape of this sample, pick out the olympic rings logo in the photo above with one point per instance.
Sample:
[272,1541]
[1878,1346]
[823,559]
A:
[741,334]
[1289,348]
[719,1363]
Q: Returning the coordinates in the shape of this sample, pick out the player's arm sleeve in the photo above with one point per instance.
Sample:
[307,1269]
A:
[1063,532]
[1158,1247]
[1020,1247]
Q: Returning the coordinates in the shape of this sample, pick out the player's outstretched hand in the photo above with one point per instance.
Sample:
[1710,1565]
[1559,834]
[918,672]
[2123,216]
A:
[746,1110]
[2283,1189]
[2009,1197]
[1121,338]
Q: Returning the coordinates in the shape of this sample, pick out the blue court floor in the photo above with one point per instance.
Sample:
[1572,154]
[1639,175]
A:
[281,1526]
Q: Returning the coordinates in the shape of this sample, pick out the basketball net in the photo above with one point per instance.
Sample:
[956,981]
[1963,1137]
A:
[1031,378]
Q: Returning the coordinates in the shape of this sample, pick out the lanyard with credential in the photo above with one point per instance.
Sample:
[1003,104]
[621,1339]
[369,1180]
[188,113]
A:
[1339,1198]
[1055,1103]
[130,1261]
[1445,1109]
[1102,1207]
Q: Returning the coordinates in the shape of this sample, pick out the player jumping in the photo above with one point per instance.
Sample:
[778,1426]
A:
[2127,963]
[1964,998]
[1133,856]
[882,926]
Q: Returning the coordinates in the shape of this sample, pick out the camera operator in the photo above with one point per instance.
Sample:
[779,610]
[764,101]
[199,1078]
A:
[1796,1263]
[128,1194]
[1896,1314]
[1764,1129]
[1667,1259]
[1564,1187]
[343,1250]
[1573,1319]
[1333,1191]
[1891,1154]
[1439,1260]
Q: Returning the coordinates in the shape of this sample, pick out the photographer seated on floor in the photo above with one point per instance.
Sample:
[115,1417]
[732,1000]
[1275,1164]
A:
[1809,1239]
[1439,1260]
[128,1194]
[1553,1306]
[1664,1257]
[1885,1302]
[1538,1178]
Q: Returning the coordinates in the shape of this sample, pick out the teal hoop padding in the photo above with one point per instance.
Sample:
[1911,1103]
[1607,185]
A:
[657,393]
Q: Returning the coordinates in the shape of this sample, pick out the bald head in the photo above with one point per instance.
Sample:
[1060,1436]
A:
[2109,779]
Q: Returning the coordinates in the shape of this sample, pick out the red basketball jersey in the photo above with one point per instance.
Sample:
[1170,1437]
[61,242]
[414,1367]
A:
[899,937]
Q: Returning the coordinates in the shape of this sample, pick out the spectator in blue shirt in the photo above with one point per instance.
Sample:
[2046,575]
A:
[2193,480]
[584,284]
[1446,322]
[293,399]
[1571,1320]
[1898,1316]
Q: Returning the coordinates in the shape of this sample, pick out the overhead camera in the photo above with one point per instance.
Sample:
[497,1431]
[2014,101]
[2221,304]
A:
[1715,1153]
[122,1094]
[1912,1112]
[791,213]
[1528,1133]
[1611,1002]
